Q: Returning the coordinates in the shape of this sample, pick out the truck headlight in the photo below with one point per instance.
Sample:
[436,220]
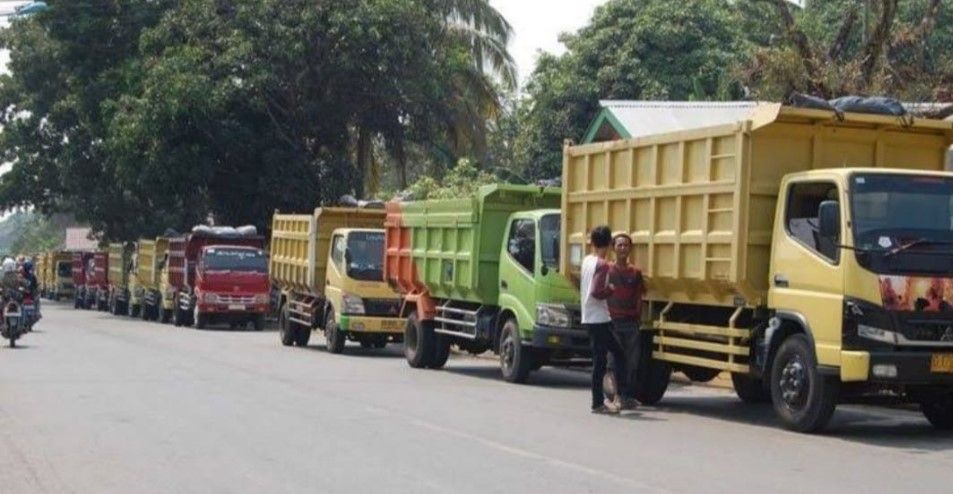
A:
[262,298]
[556,316]
[353,304]
[210,298]
[878,334]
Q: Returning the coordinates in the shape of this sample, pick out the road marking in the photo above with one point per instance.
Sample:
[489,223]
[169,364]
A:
[594,472]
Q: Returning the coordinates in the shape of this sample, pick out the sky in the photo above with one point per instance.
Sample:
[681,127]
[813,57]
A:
[537,25]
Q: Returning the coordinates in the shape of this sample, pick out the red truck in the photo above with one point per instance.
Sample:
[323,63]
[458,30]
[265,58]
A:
[216,274]
[89,277]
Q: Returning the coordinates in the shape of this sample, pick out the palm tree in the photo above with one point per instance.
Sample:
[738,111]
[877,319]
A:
[476,24]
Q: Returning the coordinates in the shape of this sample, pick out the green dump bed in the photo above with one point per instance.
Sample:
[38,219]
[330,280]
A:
[451,248]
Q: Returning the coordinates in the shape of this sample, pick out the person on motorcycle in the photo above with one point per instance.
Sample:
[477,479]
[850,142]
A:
[10,280]
[31,284]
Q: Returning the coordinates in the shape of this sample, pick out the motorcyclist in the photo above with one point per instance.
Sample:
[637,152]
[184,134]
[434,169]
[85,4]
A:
[10,280]
[26,272]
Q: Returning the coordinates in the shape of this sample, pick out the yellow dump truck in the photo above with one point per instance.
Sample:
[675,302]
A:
[144,295]
[55,274]
[806,253]
[329,268]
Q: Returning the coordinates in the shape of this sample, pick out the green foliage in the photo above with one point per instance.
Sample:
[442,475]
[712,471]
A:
[461,181]
[632,49]
[147,114]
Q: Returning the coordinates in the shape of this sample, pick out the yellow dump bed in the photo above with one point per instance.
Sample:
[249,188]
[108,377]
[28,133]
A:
[44,269]
[700,203]
[119,254]
[300,243]
[149,255]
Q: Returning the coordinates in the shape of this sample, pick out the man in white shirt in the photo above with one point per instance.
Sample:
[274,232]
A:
[595,289]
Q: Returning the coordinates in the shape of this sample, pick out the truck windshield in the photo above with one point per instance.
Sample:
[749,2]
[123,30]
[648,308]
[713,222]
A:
[64,269]
[903,223]
[549,240]
[365,256]
[225,259]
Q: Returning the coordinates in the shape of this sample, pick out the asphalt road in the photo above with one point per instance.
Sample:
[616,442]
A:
[97,404]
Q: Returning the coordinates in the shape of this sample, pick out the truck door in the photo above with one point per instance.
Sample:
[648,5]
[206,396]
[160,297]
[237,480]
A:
[334,279]
[517,271]
[806,271]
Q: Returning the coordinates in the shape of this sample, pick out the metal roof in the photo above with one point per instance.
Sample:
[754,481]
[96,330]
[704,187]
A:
[630,119]
[620,119]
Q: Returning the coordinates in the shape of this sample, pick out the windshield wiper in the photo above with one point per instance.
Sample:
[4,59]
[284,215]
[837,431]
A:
[914,243]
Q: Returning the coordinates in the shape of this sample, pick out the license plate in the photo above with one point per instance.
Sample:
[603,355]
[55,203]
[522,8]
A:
[942,363]
[391,325]
[236,307]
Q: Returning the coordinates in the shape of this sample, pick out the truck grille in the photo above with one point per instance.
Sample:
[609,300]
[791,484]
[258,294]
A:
[927,332]
[381,307]
[236,299]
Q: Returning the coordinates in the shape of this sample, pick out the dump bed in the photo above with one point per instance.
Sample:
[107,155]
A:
[300,243]
[184,251]
[100,269]
[120,255]
[44,271]
[700,204]
[451,248]
[150,253]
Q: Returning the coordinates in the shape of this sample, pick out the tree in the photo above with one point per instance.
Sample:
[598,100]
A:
[231,109]
[837,47]
[632,49]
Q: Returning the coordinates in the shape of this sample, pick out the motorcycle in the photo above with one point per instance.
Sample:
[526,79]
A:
[28,312]
[12,326]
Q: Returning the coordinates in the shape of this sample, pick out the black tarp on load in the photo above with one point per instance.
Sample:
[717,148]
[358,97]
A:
[875,105]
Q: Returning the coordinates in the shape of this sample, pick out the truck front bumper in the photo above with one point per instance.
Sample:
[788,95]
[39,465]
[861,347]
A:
[234,308]
[894,367]
[576,339]
[371,324]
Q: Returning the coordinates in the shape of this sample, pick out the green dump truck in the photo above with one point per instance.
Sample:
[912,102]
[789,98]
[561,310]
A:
[482,273]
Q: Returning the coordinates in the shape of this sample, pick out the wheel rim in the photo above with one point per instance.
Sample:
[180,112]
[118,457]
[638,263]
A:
[794,383]
[507,352]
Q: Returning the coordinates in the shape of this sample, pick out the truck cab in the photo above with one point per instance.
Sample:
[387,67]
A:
[63,276]
[543,302]
[862,265]
[231,285]
[359,304]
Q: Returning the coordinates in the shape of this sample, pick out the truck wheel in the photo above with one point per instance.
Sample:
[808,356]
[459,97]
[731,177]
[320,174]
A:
[333,334]
[200,319]
[749,389]
[176,316]
[132,310]
[802,397]
[302,335]
[939,411]
[516,360]
[648,376]
[441,352]
[258,322]
[418,342]
[76,303]
[286,329]
[699,374]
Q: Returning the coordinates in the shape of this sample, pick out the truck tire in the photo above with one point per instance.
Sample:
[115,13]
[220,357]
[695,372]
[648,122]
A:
[699,374]
[939,411]
[200,319]
[302,335]
[441,352]
[802,397]
[258,322]
[648,376]
[749,389]
[286,328]
[177,319]
[516,360]
[418,342]
[333,335]
[133,310]
[76,303]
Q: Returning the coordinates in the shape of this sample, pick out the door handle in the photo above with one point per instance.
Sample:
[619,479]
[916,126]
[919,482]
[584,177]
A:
[781,281]
[504,285]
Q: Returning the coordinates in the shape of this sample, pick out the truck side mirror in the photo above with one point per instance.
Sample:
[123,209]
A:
[828,219]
